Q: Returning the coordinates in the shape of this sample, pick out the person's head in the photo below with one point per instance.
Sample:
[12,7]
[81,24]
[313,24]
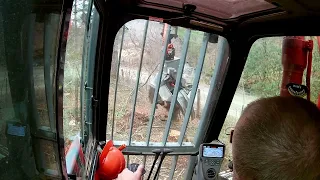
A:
[277,138]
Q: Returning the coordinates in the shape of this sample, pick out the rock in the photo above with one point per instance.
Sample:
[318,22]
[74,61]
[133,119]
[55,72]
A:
[72,123]
[174,133]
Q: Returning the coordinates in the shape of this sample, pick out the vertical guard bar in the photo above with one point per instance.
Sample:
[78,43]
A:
[191,164]
[47,80]
[117,81]
[194,86]
[137,81]
[90,7]
[173,166]
[65,21]
[156,92]
[32,94]
[177,84]
[34,121]
[144,160]
[48,34]
[208,108]
[91,62]
[84,58]
[128,160]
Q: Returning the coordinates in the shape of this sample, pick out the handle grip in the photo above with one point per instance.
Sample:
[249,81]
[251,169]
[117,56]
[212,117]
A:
[134,166]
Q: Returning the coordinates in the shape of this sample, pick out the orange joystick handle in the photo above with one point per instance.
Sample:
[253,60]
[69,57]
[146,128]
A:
[111,162]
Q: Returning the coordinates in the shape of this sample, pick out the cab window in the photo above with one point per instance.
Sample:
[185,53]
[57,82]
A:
[28,46]
[262,77]
[159,84]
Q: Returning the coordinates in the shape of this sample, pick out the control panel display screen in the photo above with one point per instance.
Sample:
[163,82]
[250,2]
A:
[211,151]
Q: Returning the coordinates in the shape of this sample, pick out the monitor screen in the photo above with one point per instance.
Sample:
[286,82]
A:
[212,151]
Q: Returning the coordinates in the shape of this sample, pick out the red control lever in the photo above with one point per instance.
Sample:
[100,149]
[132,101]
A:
[111,162]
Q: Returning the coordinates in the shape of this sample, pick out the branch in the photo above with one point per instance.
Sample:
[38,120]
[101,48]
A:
[150,75]
[132,91]
[133,41]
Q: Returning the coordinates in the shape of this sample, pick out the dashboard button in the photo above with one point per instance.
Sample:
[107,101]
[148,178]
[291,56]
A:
[212,163]
[211,173]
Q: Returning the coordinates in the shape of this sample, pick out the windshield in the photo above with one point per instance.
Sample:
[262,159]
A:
[28,46]
[160,88]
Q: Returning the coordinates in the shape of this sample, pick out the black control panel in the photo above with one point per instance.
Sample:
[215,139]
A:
[210,159]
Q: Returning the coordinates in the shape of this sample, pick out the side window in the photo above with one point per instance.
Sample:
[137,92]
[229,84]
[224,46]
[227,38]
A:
[78,82]
[28,46]
[72,76]
[262,77]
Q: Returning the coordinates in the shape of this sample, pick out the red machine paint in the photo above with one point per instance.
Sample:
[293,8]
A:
[75,158]
[296,55]
[309,46]
[318,41]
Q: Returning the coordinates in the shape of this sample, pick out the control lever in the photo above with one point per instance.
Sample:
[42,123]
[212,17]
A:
[157,152]
[164,153]
[133,168]
[111,161]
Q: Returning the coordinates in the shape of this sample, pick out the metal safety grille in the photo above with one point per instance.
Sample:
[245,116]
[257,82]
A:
[161,87]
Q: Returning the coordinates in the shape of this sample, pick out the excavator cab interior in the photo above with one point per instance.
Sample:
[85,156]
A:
[90,87]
